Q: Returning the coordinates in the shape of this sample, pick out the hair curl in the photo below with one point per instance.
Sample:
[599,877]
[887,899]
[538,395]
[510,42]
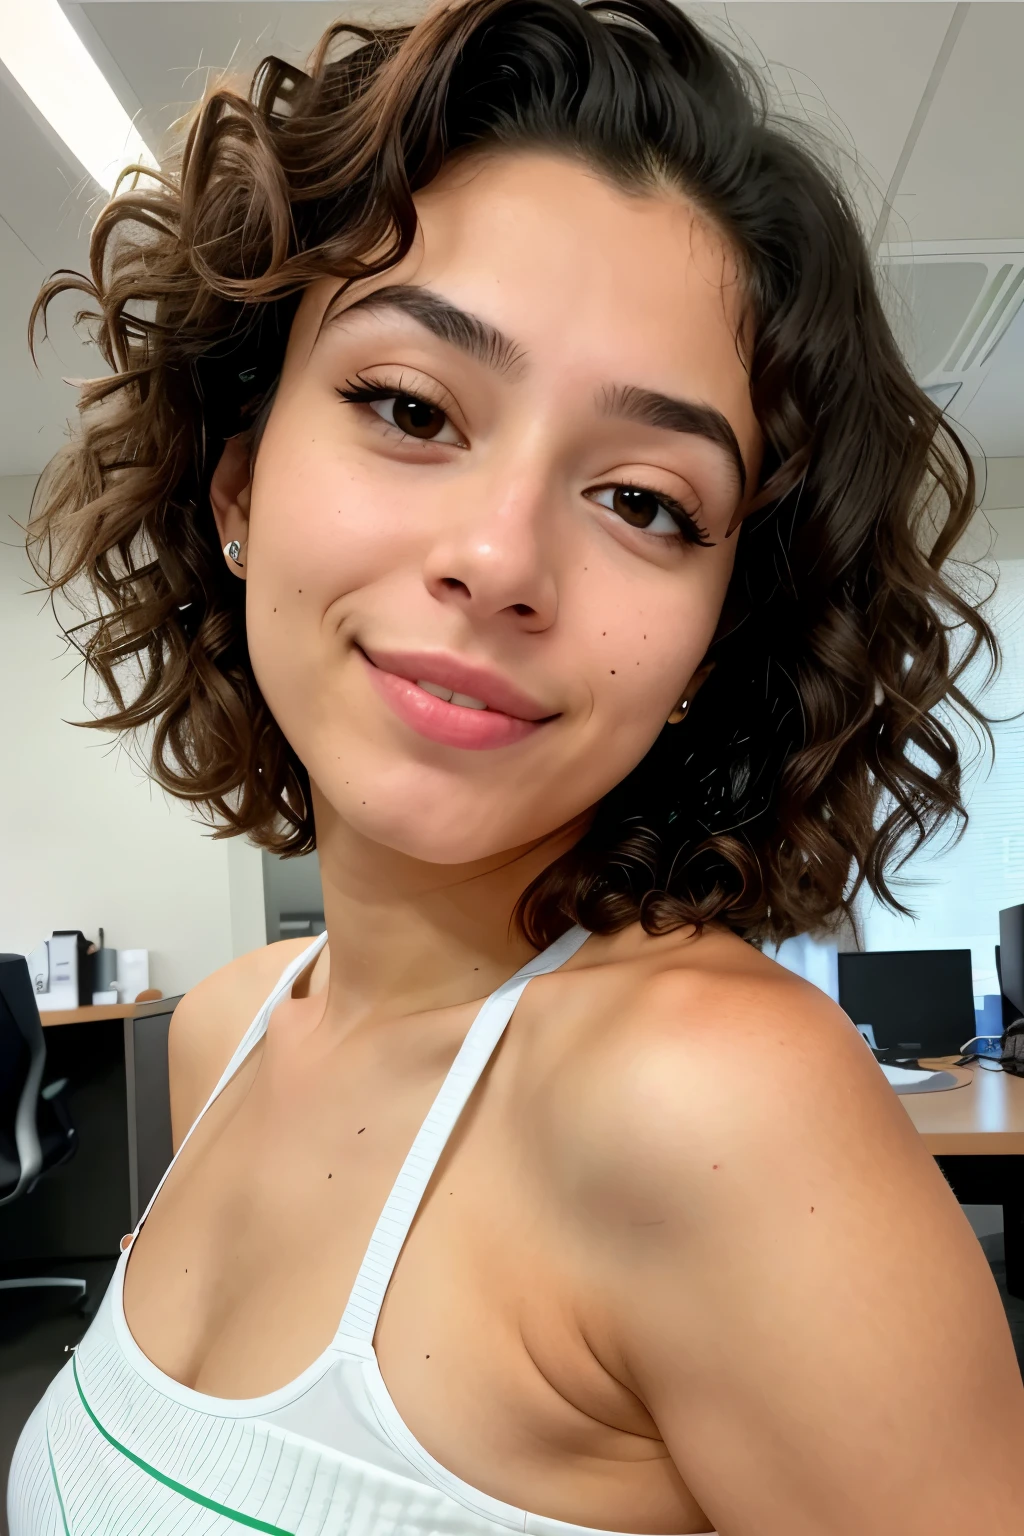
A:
[834,651]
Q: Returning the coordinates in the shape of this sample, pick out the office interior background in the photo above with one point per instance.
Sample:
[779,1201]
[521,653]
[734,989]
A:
[922,105]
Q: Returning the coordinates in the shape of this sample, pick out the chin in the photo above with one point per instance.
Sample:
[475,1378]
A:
[455,843]
[451,826]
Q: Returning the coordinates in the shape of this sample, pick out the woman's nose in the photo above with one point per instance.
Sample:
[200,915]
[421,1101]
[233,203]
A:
[498,564]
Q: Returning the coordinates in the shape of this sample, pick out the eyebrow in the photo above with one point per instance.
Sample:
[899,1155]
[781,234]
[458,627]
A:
[484,343]
[478,339]
[629,403]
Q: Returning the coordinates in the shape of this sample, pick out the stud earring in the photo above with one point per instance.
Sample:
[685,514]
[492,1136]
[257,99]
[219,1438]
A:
[233,550]
[680,712]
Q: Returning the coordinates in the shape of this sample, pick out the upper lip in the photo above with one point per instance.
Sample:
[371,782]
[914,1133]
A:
[460,676]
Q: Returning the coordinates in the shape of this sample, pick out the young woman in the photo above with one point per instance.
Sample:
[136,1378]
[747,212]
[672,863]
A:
[507,482]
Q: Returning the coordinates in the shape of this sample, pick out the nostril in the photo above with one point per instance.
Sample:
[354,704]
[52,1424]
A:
[523,609]
[454,584]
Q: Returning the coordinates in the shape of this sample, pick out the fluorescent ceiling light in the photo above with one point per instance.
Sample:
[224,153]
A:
[56,71]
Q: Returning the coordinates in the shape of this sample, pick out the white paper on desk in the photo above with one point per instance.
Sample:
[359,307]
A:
[902,1077]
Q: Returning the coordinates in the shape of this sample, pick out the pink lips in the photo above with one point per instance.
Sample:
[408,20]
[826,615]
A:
[510,715]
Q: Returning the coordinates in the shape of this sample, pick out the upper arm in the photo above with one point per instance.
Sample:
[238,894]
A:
[208,1023]
[797,1298]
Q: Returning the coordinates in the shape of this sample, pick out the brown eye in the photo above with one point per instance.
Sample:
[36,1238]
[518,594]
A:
[409,414]
[417,417]
[653,512]
[637,507]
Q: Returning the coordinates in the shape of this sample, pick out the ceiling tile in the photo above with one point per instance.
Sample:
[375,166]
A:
[855,70]
[965,179]
[166,50]
[46,210]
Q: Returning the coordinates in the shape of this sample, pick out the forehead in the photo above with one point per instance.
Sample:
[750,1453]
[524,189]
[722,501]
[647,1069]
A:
[583,275]
[554,216]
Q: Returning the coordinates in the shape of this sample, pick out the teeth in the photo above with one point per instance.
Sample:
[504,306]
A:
[462,699]
[436,690]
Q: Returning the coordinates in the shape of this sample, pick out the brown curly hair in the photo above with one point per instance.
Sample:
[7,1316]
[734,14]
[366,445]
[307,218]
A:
[815,757]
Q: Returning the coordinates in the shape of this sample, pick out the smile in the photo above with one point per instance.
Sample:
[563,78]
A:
[463,700]
[422,690]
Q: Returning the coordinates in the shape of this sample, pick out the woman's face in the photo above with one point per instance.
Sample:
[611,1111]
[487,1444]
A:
[506,469]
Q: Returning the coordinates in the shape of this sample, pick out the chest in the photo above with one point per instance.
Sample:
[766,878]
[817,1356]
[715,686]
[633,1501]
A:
[273,1198]
[239,1277]
[240,1274]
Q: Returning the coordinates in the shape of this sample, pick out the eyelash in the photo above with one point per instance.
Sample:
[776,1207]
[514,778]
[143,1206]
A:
[365,393]
[690,530]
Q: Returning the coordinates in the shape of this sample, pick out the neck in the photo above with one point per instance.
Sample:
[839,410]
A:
[405,937]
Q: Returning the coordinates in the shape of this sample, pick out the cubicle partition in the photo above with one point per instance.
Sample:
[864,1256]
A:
[148,1101]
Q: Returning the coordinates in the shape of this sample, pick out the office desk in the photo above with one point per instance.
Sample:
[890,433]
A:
[976,1135]
[115,1059]
[146,1085]
[93,1014]
[984,1118]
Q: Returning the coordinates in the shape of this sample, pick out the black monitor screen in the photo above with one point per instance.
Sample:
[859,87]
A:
[1011,956]
[918,1001]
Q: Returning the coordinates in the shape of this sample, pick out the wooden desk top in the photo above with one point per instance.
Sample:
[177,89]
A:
[86,1015]
[984,1118]
[101,1011]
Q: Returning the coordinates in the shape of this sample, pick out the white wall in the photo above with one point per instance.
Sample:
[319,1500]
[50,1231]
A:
[1007,532]
[85,839]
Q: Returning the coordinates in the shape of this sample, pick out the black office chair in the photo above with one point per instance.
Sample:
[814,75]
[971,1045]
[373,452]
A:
[36,1133]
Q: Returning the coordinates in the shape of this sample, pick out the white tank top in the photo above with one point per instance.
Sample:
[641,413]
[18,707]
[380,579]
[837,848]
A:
[117,1448]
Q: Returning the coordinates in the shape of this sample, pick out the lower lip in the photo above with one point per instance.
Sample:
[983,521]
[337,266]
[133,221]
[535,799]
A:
[453,725]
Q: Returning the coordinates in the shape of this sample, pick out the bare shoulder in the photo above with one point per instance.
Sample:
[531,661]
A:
[209,1022]
[706,1036]
[774,1257]
[715,1075]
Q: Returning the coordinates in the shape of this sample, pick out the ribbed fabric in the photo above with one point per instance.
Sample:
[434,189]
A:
[118,1448]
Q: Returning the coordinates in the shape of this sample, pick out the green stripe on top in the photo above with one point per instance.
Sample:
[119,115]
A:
[53,1470]
[169,1482]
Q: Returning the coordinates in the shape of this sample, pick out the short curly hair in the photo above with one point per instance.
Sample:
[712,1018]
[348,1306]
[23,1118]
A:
[816,756]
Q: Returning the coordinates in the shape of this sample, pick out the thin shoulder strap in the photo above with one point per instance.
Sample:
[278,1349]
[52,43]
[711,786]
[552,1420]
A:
[244,1046]
[359,1320]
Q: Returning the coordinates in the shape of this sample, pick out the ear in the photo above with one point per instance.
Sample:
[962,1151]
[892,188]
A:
[230,490]
[699,677]
[698,680]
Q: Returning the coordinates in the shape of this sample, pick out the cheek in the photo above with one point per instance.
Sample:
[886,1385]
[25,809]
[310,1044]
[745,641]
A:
[645,643]
[318,536]
[322,528]
[314,517]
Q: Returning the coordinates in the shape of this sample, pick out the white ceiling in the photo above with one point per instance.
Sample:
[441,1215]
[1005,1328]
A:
[921,102]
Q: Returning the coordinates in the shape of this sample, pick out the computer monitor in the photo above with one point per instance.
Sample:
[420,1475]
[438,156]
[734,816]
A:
[919,1002]
[1011,957]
